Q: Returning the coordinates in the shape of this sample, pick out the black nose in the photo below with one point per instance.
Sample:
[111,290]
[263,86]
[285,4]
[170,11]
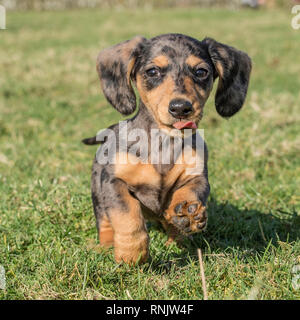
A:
[180,108]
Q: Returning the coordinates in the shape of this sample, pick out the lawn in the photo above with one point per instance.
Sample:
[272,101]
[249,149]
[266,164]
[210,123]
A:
[50,99]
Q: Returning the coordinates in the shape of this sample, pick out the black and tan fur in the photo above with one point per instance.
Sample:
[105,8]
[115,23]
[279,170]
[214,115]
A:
[124,196]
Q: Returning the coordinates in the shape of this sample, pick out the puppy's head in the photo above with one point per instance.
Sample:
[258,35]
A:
[174,75]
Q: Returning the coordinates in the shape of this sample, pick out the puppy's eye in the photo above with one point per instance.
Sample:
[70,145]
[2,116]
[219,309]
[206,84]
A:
[153,72]
[201,73]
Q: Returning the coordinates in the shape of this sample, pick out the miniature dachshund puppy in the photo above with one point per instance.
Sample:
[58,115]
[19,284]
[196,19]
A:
[174,75]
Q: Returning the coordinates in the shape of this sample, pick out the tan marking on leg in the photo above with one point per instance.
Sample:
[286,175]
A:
[183,194]
[131,239]
[106,233]
[186,162]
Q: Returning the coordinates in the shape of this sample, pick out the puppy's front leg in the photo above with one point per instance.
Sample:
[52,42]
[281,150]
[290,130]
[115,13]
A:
[131,240]
[119,217]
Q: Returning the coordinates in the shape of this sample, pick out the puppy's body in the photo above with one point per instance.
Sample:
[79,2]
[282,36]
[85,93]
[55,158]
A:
[174,75]
[115,186]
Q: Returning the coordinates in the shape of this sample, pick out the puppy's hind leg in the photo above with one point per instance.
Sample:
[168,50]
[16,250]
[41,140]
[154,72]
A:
[105,230]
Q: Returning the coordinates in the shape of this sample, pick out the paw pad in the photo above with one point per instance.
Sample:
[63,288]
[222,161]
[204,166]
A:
[188,217]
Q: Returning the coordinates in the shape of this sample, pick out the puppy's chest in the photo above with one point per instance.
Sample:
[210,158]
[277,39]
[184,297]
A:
[151,183]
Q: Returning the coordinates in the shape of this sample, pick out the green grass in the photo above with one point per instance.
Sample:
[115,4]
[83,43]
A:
[50,99]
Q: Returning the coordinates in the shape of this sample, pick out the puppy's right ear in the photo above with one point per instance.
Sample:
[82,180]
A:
[115,66]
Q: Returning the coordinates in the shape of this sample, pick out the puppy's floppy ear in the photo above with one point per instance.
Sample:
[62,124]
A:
[233,68]
[115,66]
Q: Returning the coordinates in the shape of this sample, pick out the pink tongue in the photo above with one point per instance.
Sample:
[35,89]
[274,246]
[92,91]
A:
[181,125]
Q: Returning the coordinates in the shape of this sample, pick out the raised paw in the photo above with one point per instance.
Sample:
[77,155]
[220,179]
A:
[188,217]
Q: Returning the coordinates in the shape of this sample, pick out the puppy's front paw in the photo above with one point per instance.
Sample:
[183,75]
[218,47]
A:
[188,217]
[131,259]
[132,250]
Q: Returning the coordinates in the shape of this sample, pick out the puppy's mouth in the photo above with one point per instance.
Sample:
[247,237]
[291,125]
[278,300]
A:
[180,125]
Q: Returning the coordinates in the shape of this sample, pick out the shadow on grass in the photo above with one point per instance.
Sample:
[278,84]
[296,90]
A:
[247,232]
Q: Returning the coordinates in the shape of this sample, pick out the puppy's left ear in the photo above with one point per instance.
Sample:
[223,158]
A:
[233,67]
